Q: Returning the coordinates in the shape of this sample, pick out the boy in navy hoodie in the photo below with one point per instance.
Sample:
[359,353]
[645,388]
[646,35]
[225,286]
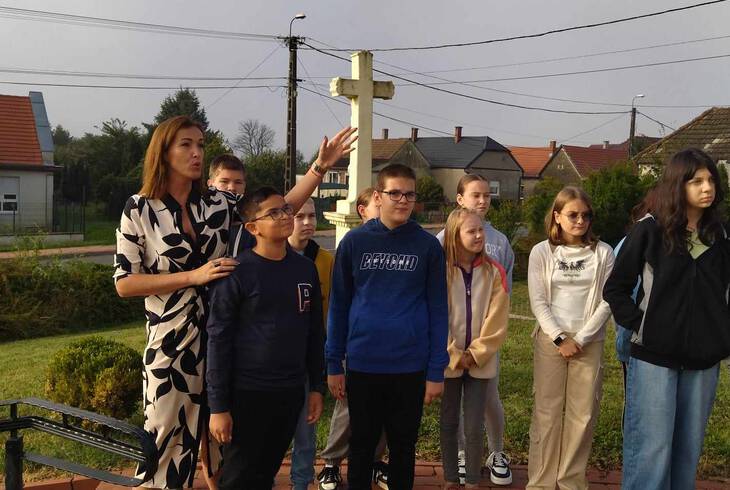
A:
[388,319]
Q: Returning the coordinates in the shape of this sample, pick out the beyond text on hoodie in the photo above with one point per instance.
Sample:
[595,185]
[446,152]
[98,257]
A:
[388,305]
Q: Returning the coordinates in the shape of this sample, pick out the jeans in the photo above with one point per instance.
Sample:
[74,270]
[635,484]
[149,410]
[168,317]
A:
[304,449]
[666,416]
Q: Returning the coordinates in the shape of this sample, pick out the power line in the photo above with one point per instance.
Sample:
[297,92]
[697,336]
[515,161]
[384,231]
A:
[89,74]
[141,87]
[266,58]
[58,17]
[321,97]
[425,128]
[472,97]
[541,34]
[658,122]
[593,129]
[582,72]
[552,60]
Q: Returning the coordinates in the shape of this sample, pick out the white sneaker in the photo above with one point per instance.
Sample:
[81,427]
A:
[462,468]
[498,465]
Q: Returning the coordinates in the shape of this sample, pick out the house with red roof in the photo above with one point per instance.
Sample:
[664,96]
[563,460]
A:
[533,160]
[26,164]
[573,164]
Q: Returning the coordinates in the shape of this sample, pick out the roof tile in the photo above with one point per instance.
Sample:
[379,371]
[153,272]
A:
[18,137]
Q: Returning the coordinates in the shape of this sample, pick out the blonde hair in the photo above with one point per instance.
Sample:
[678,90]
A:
[552,228]
[363,199]
[451,241]
[154,172]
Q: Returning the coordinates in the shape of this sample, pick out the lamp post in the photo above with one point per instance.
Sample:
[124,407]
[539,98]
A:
[632,131]
[290,170]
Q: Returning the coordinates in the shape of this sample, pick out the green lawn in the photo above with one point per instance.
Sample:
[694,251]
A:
[23,364]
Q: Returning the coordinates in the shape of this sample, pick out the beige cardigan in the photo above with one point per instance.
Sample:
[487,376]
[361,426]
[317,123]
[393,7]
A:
[596,311]
[490,312]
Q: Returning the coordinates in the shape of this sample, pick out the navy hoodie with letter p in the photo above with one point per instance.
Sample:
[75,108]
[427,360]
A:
[388,303]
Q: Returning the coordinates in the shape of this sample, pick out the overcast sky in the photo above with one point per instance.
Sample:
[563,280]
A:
[374,24]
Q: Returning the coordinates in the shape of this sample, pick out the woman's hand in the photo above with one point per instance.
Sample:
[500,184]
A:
[330,151]
[214,269]
[568,348]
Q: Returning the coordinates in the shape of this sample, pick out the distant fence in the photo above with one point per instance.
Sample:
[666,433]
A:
[56,217]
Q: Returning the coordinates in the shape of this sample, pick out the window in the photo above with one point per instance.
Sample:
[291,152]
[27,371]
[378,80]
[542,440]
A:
[334,177]
[9,187]
[494,188]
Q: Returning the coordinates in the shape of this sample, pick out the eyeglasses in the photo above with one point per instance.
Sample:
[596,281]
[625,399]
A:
[573,217]
[398,195]
[277,214]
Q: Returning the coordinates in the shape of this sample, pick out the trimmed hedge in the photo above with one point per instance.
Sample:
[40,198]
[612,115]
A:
[39,298]
[96,374]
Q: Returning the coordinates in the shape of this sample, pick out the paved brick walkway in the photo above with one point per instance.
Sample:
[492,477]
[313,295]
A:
[429,477]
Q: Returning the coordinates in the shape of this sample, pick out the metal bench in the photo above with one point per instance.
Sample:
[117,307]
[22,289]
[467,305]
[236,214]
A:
[69,427]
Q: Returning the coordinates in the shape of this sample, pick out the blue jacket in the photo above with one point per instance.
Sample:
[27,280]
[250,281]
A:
[388,305]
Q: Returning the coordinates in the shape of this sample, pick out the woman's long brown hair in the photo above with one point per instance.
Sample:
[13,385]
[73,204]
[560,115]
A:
[154,172]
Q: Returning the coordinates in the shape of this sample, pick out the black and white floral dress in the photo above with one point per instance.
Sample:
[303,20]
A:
[151,240]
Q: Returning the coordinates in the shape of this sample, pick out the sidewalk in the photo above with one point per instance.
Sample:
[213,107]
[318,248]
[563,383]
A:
[428,477]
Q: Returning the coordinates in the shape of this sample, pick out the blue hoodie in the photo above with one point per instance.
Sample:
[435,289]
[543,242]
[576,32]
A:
[388,305]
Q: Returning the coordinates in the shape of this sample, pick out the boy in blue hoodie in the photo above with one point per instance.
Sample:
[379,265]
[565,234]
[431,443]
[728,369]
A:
[388,319]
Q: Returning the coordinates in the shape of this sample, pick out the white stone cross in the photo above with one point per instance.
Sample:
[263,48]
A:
[361,90]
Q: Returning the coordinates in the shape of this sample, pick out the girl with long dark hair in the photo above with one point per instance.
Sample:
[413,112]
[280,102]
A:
[680,322]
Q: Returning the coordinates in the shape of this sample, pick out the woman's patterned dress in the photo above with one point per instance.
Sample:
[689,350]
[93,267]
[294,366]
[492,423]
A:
[151,240]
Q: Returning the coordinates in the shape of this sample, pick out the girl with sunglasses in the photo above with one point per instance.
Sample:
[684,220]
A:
[566,275]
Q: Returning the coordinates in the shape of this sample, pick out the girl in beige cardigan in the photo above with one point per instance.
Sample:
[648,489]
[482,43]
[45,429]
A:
[478,313]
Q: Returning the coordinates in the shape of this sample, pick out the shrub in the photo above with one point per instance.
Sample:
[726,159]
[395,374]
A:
[96,374]
[40,298]
[537,205]
[429,192]
[506,217]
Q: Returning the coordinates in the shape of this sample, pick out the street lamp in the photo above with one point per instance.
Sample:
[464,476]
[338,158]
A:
[632,131]
[290,171]
[299,17]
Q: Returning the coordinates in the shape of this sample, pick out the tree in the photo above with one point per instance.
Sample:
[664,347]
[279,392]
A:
[614,192]
[61,137]
[266,169]
[537,205]
[507,218]
[429,191]
[253,138]
[215,144]
[184,102]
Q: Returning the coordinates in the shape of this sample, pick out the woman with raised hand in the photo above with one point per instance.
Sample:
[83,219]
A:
[171,243]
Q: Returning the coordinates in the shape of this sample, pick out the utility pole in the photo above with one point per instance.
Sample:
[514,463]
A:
[632,130]
[290,169]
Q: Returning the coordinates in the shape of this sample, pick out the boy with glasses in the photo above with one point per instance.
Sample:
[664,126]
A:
[388,319]
[265,338]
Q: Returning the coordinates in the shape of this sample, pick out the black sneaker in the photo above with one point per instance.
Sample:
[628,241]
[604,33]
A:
[329,478]
[380,474]
[498,465]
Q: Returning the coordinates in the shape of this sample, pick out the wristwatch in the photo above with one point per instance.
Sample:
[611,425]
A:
[560,339]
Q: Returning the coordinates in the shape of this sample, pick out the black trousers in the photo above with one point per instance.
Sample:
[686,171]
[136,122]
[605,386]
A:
[393,402]
[263,427]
